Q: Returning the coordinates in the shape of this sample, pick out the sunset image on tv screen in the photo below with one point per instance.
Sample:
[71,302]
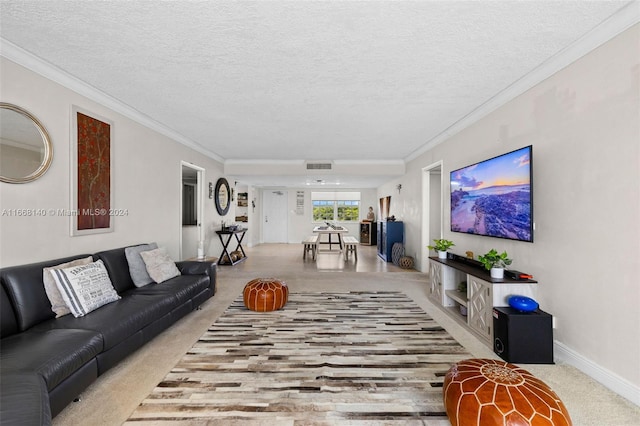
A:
[493,197]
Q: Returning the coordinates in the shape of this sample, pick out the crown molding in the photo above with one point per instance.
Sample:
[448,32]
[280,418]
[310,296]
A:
[268,162]
[370,162]
[623,19]
[272,162]
[57,75]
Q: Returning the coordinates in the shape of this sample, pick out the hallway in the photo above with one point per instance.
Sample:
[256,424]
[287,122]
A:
[263,256]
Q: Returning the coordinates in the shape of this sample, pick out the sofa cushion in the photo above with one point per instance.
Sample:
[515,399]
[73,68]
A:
[137,267]
[58,305]
[119,320]
[85,288]
[8,324]
[115,260]
[159,265]
[25,289]
[183,287]
[54,354]
[24,400]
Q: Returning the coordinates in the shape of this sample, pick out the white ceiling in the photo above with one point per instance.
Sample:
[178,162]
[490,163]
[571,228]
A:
[307,80]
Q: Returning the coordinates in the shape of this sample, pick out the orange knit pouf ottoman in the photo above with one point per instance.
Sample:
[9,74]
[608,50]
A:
[489,392]
[265,294]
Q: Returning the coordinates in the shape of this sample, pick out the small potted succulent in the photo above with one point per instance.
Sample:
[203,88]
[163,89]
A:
[441,246]
[495,263]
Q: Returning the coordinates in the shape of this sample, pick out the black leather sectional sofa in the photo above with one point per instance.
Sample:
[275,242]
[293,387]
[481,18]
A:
[46,362]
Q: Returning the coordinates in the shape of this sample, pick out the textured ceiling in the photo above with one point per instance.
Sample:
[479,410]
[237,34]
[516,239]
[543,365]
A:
[306,80]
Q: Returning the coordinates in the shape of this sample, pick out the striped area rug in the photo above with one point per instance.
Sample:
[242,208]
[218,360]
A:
[324,359]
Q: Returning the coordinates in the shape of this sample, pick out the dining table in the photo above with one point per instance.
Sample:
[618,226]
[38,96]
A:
[330,230]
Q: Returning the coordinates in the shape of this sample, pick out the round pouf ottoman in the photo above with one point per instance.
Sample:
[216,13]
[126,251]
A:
[489,392]
[265,294]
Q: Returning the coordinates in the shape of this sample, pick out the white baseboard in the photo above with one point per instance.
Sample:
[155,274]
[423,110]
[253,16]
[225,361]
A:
[607,378]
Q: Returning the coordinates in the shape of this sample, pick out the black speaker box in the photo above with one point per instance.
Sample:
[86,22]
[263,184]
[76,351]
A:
[523,337]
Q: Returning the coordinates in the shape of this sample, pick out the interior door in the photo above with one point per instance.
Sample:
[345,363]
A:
[274,216]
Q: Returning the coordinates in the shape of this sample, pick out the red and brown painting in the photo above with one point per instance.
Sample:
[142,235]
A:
[94,173]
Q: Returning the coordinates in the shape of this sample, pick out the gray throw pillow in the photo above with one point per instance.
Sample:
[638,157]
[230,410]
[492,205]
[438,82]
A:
[137,267]
[159,265]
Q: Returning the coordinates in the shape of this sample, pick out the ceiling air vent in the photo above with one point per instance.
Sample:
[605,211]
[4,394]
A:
[318,166]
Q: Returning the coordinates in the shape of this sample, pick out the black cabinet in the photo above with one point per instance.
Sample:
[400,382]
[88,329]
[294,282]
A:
[523,337]
[389,233]
[368,233]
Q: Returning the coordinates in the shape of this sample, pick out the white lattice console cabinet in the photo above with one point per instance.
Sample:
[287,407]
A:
[473,308]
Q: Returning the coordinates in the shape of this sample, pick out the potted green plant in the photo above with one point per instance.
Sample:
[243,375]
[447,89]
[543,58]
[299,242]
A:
[441,246]
[495,263]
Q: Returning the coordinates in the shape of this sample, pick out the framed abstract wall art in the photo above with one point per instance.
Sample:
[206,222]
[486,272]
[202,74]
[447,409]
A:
[91,173]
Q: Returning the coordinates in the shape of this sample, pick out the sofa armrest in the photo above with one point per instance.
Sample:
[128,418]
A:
[192,267]
[24,400]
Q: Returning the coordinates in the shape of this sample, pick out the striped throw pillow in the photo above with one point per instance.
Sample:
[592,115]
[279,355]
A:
[85,288]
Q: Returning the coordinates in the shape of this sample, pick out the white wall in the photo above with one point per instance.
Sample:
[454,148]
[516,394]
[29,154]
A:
[147,180]
[584,125]
[254,216]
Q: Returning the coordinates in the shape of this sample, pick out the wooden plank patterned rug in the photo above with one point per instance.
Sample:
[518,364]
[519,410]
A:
[324,359]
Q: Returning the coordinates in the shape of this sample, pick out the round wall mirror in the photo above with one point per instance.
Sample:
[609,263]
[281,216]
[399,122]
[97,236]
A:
[222,196]
[25,148]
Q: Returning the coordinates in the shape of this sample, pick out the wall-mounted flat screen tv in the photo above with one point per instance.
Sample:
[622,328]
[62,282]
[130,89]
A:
[494,197]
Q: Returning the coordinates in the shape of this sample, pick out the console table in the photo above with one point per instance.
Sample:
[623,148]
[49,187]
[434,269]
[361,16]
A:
[473,308]
[226,236]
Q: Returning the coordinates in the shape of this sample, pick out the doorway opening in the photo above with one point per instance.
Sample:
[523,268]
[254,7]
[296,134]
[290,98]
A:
[432,210]
[191,210]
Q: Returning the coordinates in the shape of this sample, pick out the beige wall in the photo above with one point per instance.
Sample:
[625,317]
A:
[147,180]
[584,125]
